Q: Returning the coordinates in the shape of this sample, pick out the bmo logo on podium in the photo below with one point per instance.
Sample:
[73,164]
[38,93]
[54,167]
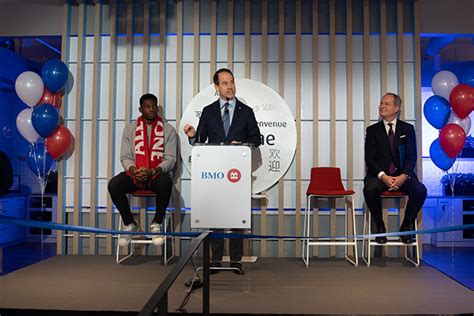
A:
[234,175]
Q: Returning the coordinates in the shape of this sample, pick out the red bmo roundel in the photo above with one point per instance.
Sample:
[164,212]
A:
[233,175]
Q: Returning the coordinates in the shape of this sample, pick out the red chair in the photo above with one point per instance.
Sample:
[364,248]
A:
[326,182]
[391,241]
[148,240]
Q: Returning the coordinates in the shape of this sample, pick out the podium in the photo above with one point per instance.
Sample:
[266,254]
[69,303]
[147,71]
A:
[221,186]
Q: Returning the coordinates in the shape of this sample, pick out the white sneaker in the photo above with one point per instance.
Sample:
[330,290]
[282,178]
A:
[125,239]
[157,239]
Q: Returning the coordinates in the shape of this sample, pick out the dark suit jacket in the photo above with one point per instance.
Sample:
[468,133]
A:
[379,156]
[243,127]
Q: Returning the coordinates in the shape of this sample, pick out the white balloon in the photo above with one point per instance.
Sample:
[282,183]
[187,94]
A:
[30,87]
[465,123]
[25,127]
[443,83]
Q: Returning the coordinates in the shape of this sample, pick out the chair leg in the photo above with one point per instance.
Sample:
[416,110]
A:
[130,252]
[168,222]
[356,253]
[366,240]
[307,231]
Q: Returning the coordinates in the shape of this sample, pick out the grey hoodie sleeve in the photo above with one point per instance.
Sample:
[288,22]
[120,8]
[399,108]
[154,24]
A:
[127,150]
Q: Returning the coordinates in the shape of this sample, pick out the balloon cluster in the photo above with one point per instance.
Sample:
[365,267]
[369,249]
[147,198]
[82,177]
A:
[448,110]
[41,119]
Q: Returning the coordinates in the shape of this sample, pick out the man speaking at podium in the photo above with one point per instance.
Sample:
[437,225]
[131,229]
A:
[228,121]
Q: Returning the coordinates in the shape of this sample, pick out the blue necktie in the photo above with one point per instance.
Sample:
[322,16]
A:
[226,118]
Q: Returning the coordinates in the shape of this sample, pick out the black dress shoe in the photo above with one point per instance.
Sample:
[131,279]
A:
[407,239]
[238,268]
[406,226]
[381,230]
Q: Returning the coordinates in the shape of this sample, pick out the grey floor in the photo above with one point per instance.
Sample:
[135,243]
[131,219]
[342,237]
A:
[270,286]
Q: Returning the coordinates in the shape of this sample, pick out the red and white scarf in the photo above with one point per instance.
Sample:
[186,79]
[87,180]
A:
[149,156]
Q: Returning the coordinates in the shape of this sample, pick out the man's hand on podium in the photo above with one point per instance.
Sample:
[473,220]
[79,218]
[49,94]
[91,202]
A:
[189,130]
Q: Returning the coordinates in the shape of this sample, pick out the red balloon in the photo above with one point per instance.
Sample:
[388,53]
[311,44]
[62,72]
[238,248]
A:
[58,143]
[54,99]
[451,139]
[462,100]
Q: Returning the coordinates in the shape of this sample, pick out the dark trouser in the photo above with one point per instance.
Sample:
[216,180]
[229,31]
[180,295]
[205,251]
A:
[121,185]
[373,188]
[236,247]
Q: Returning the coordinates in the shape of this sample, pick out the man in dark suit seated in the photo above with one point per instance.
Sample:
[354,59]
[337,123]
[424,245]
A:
[390,156]
[227,120]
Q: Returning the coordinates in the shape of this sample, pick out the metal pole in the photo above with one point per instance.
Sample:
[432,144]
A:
[206,285]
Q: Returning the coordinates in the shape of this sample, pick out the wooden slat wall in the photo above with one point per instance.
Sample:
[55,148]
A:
[95,101]
[332,105]
[281,91]
[401,65]
[180,14]
[78,128]
[263,204]
[110,121]
[298,129]
[315,110]
[60,244]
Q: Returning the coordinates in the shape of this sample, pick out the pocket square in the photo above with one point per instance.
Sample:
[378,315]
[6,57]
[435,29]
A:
[403,136]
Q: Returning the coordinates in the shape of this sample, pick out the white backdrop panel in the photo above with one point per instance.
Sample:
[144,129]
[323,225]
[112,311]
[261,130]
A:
[103,106]
[306,149]
[375,90]
[171,47]
[374,43]
[221,48]
[104,49]
[73,42]
[323,47]
[357,48]
[408,48]
[154,79]
[85,195]
[239,48]
[188,48]
[307,91]
[273,77]
[154,48]
[103,148]
[323,91]
[392,48]
[324,144]
[290,48]
[341,50]
[272,48]
[341,91]
[88,49]
[88,86]
[307,48]
[86,149]
[341,147]
[358,91]
[358,149]
[205,78]
[205,48]
[121,53]
[120,83]
[256,71]
[102,192]
[137,49]
[392,77]
[409,85]
[137,81]
[187,85]
[117,142]
[290,86]
[255,48]
[170,91]
[70,110]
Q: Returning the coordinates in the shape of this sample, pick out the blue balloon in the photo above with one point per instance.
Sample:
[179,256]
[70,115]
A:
[54,74]
[439,157]
[45,119]
[437,110]
[38,159]
[468,77]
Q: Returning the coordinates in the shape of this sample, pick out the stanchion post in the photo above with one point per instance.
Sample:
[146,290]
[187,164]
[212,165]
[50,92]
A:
[206,285]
